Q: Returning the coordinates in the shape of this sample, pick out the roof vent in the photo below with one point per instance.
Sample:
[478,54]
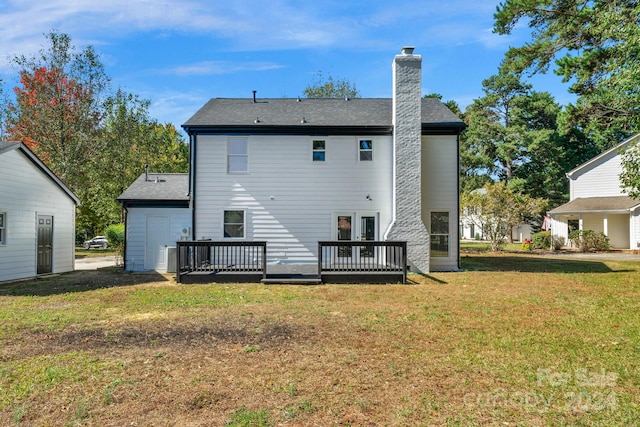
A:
[257,120]
[298,100]
[303,120]
[254,96]
[407,50]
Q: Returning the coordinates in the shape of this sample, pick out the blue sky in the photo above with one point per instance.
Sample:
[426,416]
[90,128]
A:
[180,53]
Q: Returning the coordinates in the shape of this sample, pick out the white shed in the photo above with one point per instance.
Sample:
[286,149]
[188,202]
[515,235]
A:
[157,216]
[37,216]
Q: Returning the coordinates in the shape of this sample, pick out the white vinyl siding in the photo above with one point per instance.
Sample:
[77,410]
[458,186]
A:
[288,202]
[599,180]
[635,230]
[618,230]
[440,192]
[26,192]
[179,228]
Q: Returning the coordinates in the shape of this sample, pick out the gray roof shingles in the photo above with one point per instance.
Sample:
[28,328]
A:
[597,204]
[158,186]
[316,112]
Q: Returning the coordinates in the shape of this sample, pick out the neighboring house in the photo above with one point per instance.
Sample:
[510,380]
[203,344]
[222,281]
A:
[597,201]
[37,216]
[293,172]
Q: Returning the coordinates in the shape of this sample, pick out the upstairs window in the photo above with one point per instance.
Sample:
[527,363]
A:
[237,155]
[234,224]
[319,151]
[365,147]
[3,230]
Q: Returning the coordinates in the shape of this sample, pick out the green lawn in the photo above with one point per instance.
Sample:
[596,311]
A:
[514,340]
[97,252]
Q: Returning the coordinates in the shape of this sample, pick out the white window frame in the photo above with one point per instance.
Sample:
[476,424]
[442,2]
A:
[448,233]
[3,228]
[231,155]
[365,150]
[244,224]
[314,151]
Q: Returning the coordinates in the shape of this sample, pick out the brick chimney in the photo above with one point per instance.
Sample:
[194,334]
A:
[407,133]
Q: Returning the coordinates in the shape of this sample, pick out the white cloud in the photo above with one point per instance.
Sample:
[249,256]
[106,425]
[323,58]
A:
[220,67]
[176,108]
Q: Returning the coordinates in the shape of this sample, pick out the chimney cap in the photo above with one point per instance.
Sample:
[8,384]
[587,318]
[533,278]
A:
[407,50]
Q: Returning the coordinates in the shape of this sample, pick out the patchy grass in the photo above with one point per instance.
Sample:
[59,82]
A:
[93,253]
[514,340]
[484,246]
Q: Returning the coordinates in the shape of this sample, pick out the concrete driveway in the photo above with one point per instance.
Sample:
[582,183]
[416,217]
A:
[613,255]
[94,263]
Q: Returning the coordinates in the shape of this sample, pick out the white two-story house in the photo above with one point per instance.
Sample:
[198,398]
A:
[597,201]
[293,172]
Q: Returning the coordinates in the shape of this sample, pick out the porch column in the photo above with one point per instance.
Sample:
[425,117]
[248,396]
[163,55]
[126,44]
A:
[605,225]
[580,227]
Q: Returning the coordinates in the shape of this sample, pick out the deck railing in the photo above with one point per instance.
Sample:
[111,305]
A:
[213,257]
[362,258]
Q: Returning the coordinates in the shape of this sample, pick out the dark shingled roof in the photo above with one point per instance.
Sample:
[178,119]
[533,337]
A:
[286,112]
[597,204]
[172,188]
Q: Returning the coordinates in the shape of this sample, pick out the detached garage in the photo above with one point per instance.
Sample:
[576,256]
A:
[157,214]
[37,216]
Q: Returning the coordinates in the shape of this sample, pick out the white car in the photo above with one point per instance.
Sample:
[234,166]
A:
[96,242]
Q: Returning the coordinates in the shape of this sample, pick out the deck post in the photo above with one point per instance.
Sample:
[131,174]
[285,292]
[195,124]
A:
[264,260]
[178,252]
[319,260]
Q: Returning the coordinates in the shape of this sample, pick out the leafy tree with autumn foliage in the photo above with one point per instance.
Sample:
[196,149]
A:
[96,143]
[56,112]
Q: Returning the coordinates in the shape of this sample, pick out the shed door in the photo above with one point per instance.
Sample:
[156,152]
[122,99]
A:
[157,240]
[45,244]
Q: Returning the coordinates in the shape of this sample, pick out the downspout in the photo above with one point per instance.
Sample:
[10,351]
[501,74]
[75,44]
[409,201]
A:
[192,184]
[124,248]
[458,203]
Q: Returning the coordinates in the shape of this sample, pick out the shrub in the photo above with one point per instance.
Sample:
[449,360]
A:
[589,240]
[558,243]
[541,240]
[115,236]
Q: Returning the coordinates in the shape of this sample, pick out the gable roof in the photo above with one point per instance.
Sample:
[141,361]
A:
[157,189]
[6,146]
[612,151]
[620,204]
[304,116]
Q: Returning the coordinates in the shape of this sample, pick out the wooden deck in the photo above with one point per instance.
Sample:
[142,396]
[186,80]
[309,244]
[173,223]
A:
[205,261]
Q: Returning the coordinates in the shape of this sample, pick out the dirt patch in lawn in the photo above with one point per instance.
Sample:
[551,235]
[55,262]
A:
[109,348]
